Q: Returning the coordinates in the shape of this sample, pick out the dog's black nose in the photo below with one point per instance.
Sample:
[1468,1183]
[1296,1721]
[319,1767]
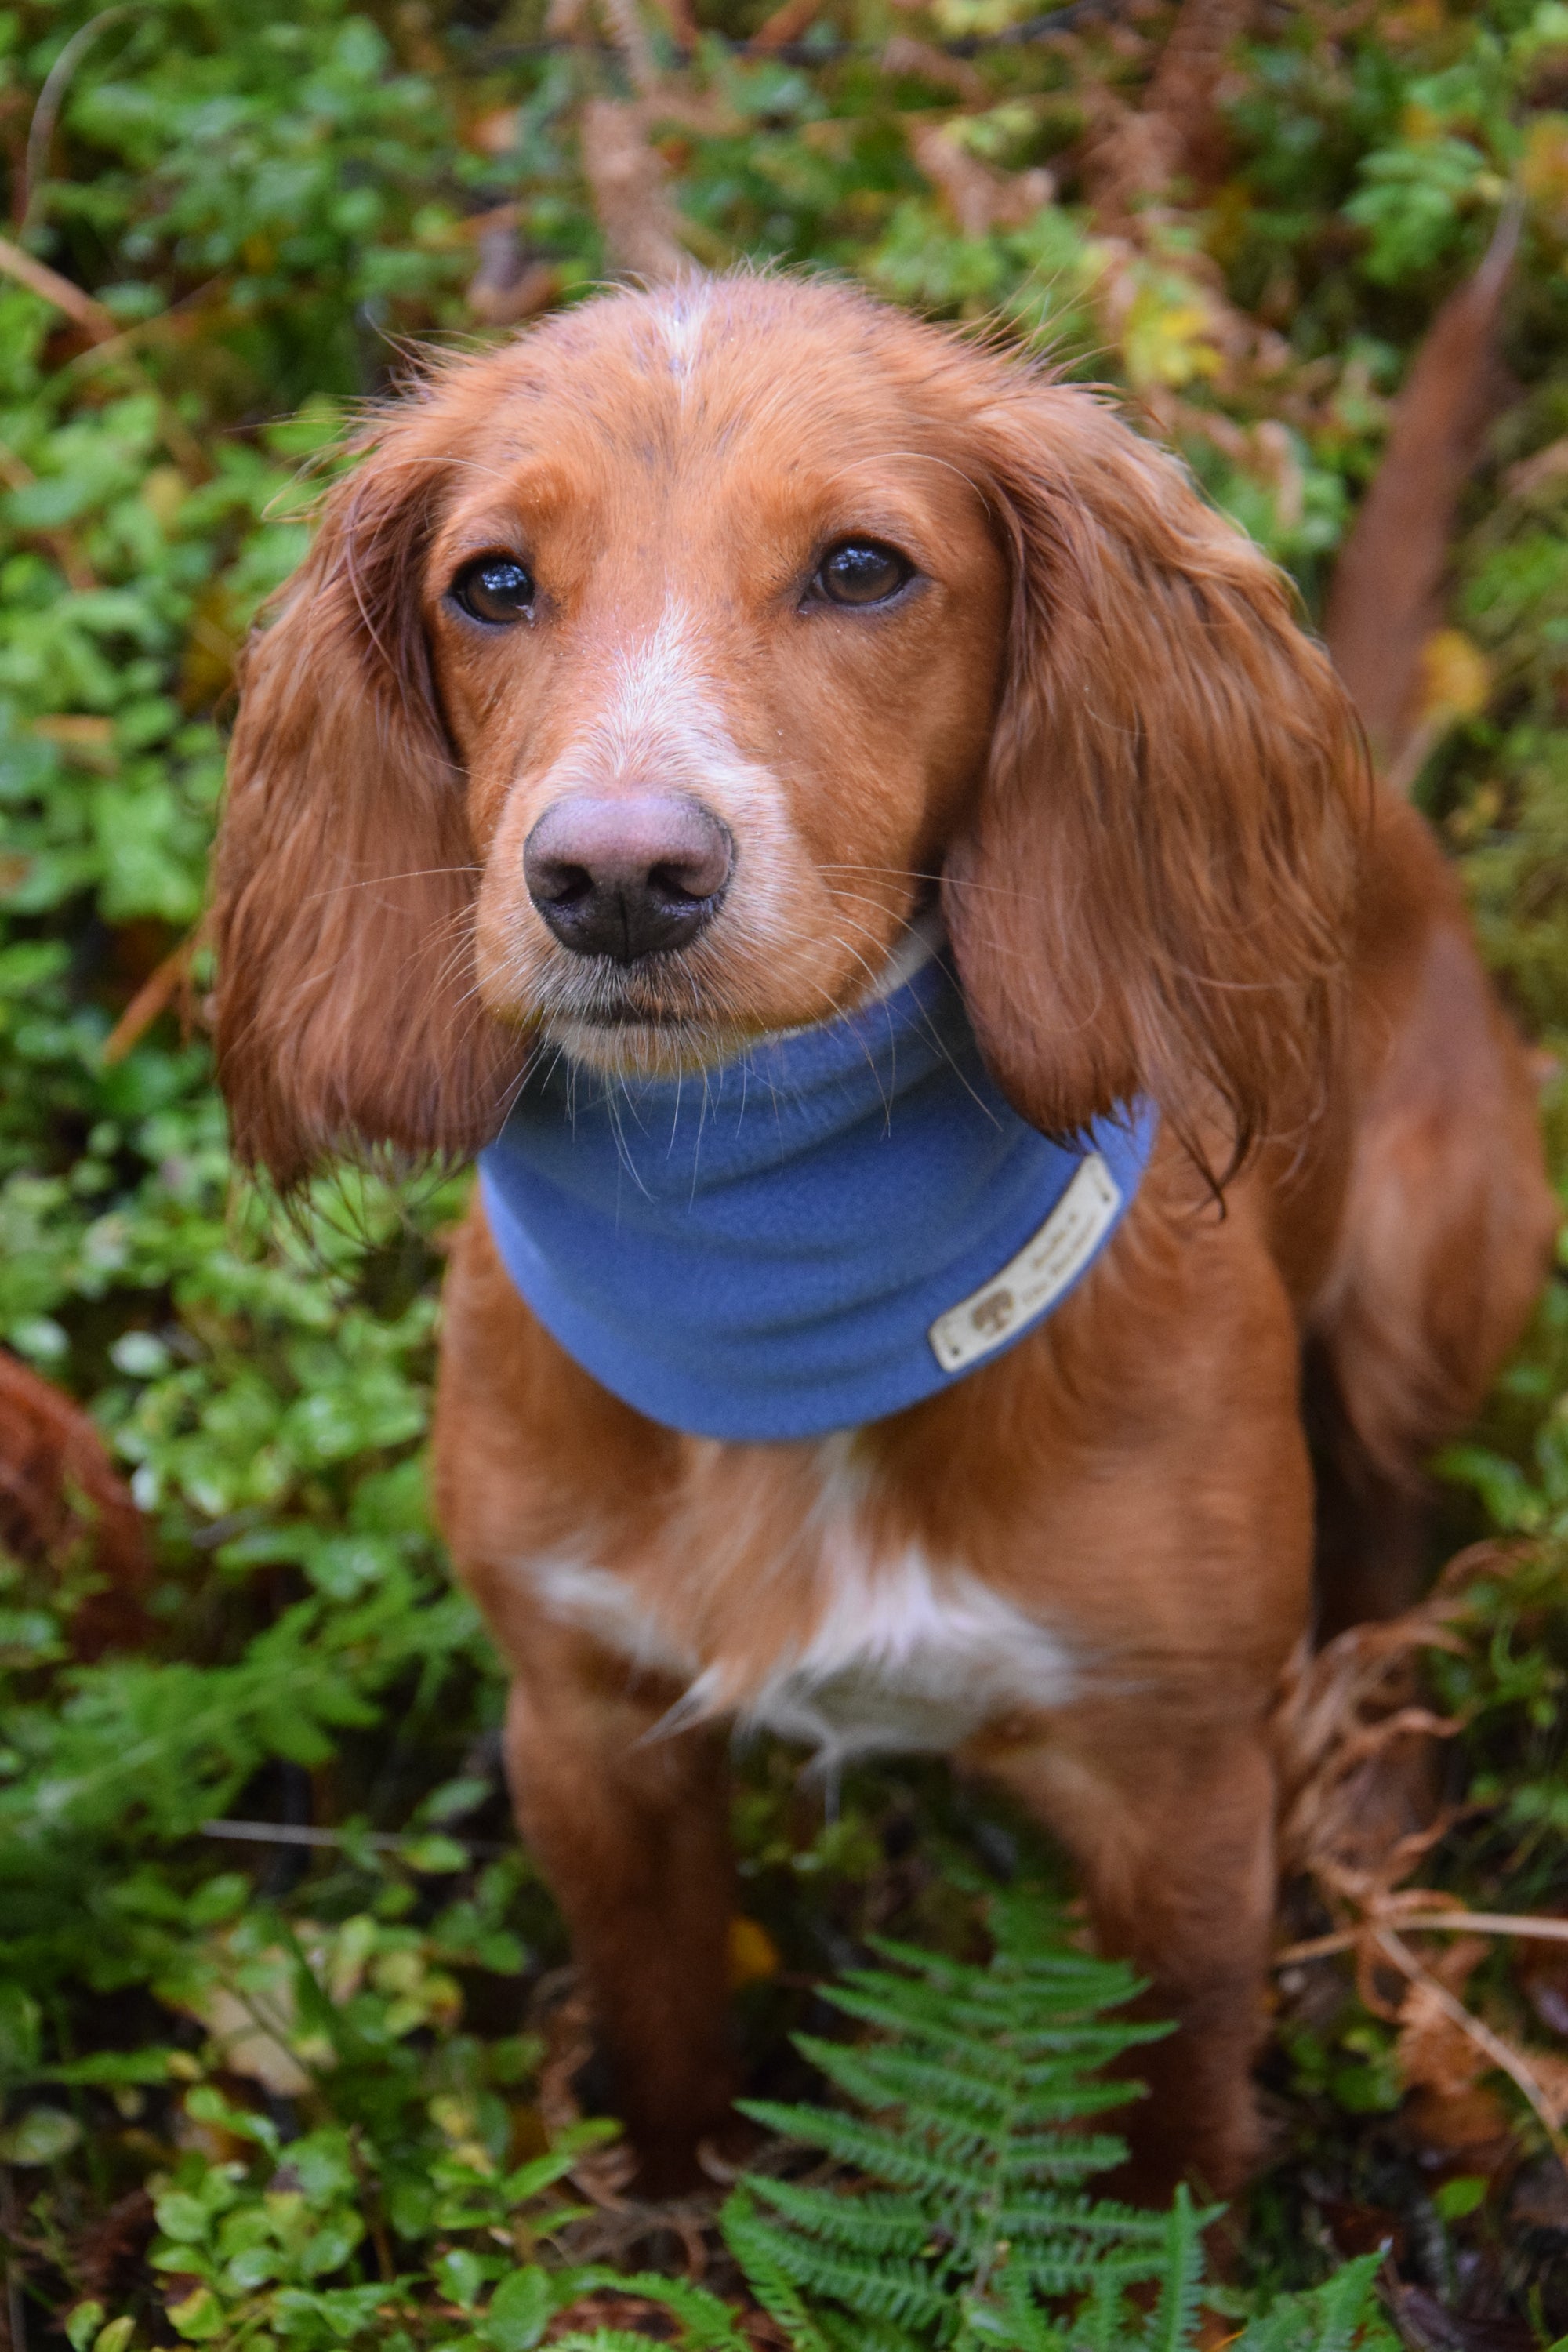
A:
[627,875]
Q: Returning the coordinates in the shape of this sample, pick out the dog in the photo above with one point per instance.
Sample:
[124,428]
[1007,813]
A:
[877,871]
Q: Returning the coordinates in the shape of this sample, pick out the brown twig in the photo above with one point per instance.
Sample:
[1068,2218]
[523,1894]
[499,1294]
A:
[1500,2053]
[1445,1923]
[46,113]
[102,327]
[979,198]
[787,23]
[50,287]
[627,177]
[123,342]
[157,992]
[630,36]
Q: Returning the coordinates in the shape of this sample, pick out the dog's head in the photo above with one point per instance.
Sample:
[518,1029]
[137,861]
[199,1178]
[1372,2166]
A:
[649,674]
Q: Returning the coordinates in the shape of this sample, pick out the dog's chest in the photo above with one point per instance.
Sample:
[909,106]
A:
[884,1649]
[910,1656]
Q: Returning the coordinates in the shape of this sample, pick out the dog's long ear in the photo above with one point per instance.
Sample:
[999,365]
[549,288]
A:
[345,876]
[1151,893]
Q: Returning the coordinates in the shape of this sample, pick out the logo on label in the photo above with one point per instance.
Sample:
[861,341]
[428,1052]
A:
[994,1311]
[1019,1292]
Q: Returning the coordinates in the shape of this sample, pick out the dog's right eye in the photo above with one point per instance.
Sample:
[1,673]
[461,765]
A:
[496,589]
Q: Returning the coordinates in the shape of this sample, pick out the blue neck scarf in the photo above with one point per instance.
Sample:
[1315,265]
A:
[842,1222]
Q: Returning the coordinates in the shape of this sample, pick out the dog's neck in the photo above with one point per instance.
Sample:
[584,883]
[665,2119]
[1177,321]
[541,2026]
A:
[922,940]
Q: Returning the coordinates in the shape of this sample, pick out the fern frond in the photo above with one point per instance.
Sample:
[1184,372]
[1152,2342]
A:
[875,2224]
[963,2020]
[600,2339]
[948,2082]
[969,2098]
[1056,2218]
[1073,1983]
[1066,2160]
[889,2289]
[849,2333]
[902,2160]
[1013,2318]
[1341,2313]
[753,2245]
[706,2321]
[778,2266]
[1175,2314]
[969,2230]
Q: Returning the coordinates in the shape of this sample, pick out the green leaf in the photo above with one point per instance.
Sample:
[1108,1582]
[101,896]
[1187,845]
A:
[83,2324]
[41,2135]
[1466,2193]
[199,2316]
[520,2311]
[19,2022]
[433,1855]
[462,2275]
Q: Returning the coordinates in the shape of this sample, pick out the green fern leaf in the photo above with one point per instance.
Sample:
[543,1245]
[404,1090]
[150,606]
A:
[1175,2314]
[875,2224]
[1341,2314]
[755,2247]
[600,2339]
[968,2100]
[878,2287]
[707,2323]
[965,2226]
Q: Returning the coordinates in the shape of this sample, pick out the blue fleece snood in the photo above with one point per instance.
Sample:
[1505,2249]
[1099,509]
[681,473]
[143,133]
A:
[837,1224]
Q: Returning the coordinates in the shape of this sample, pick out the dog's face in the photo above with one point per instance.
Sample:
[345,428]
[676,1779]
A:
[721,667]
[648,669]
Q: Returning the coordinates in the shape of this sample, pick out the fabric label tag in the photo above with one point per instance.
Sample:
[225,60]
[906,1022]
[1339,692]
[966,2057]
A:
[1030,1282]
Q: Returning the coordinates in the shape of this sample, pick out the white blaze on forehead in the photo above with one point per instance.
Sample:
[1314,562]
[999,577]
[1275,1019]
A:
[681,316]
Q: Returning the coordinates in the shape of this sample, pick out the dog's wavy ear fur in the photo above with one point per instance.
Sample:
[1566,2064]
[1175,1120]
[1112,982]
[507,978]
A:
[345,876]
[1151,893]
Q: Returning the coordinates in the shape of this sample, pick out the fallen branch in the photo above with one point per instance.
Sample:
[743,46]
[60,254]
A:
[786,24]
[155,995]
[1447,1922]
[627,177]
[56,81]
[51,288]
[102,327]
[1500,2053]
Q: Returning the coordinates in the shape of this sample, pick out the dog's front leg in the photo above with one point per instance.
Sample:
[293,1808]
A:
[631,1832]
[1171,1820]
[629,1823]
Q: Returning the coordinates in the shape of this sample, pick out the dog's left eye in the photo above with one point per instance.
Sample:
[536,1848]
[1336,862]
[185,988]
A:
[494,588]
[862,571]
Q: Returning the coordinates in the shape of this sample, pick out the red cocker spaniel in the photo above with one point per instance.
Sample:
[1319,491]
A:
[876,867]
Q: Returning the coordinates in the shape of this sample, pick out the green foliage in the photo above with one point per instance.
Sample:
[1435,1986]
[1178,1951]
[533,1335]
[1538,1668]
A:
[259,2248]
[969,2224]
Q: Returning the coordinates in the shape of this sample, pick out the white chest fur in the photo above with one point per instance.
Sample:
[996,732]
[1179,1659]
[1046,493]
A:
[903,1655]
[908,1657]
